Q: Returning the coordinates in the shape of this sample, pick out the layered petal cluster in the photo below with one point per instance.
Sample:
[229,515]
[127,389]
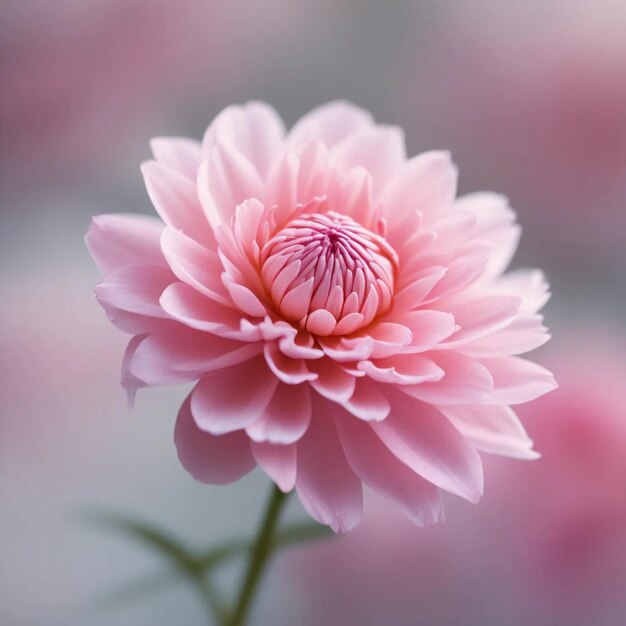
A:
[344,314]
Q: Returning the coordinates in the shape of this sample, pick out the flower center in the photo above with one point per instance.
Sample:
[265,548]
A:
[328,273]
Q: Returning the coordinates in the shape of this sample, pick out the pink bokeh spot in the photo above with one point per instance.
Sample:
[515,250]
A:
[344,315]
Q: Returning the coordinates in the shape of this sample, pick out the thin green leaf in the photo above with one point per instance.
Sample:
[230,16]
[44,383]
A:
[196,567]
[162,542]
[173,550]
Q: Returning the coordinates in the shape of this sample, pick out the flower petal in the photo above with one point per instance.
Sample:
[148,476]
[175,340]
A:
[496,224]
[314,172]
[367,402]
[136,289]
[388,338]
[480,316]
[278,462]
[285,418]
[525,333]
[299,345]
[288,370]
[465,269]
[379,150]
[465,381]
[332,382]
[210,459]
[226,180]
[320,322]
[428,327]
[282,189]
[130,382]
[517,380]
[243,298]
[175,199]
[118,240]
[328,488]
[402,369]
[528,284]
[185,304]
[329,124]
[494,429]
[343,349]
[219,403]
[377,467]
[182,354]
[351,194]
[194,264]
[254,129]
[181,154]
[409,297]
[425,184]
[424,440]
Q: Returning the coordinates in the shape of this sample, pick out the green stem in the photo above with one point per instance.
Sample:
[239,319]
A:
[259,555]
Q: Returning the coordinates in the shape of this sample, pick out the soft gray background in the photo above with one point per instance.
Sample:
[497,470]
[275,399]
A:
[531,101]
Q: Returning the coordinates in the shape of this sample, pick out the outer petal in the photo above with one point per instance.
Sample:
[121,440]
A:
[465,381]
[351,194]
[426,184]
[425,441]
[118,240]
[494,429]
[417,287]
[254,129]
[278,462]
[136,289]
[385,473]
[194,264]
[314,172]
[210,459]
[379,150]
[329,124]
[185,304]
[130,382]
[225,180]
[182,354]
[282,189]
[233,398]
[496,224]
[479,317]
[465,269]
[328,488]
[181,154]
[286,417]
[175,199]
[428,328]
[525,333]
[529,284]
[517,380]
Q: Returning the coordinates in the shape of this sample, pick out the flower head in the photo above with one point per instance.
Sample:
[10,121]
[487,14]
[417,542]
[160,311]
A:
[345,315]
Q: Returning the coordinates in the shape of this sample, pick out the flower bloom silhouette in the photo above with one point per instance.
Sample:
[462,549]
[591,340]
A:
[344,315]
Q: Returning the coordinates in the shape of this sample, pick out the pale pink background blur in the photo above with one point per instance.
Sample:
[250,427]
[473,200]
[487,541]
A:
[531,99]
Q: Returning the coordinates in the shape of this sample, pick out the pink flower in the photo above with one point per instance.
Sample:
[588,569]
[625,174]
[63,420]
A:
[345,316]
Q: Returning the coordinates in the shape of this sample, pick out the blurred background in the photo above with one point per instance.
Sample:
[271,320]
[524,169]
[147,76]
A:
[531,100]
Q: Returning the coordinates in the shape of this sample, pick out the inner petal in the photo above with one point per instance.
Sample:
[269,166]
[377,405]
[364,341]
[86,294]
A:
[329,274]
